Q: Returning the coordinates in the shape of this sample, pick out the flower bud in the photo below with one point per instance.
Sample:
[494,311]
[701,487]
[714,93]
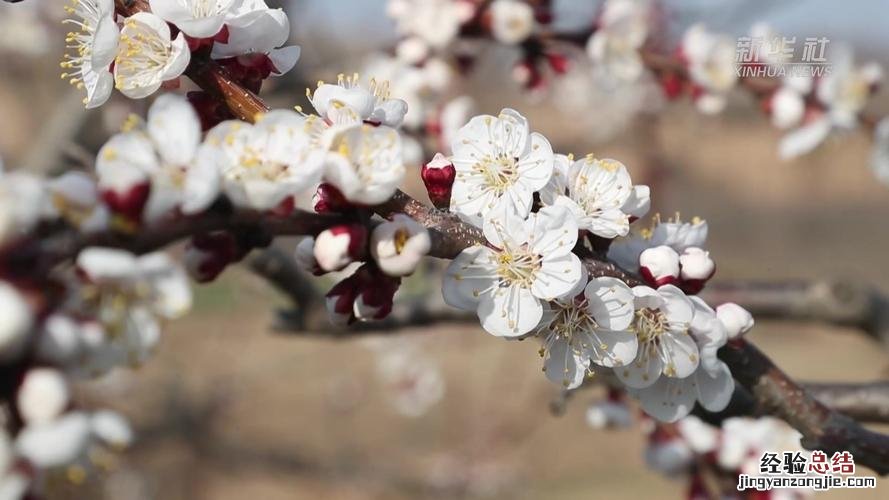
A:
[328,199]
[438,176]
[659,265]
[697,268]
[339,246]
[43,396]
[377,298]
[736,320]
[207,255]
[340,300]
[305,257]
[398,246]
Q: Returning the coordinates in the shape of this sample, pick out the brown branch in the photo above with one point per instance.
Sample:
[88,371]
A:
[842,303]
[821,428]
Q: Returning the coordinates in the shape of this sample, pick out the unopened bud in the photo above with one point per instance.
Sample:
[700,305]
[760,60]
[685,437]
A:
[736,320]
[438,176]
[659,265]
[339,246]
[329,199]
[697,268]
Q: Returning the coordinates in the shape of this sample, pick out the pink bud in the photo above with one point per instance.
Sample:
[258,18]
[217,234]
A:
[736,320]
[697,268]
[438,176]
[659,266]
[340,300]
[339,246]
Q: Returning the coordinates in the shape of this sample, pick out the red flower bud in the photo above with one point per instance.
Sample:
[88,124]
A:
[438,175]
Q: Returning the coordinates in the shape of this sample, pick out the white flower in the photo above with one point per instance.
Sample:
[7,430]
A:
[364,162]
[670,456]
[43,396]
[147,56]
[16,320]
[710,383]
[74,196]
[639,202]
[435,21]
[614,47]
[196,18]
[500,165]
[843,92]
[512,22]
[596,192]
[591,327]
[736,320]
[55,443]
[22,202]
[661,323]
[265,164]
[846,88]
[674,234]
[125,293]
[659,265]
[454,114]
[711,66]
[339,246]
[399,245]
[349,101]
[531,262]
[93,47]
[255,29]
[162,153]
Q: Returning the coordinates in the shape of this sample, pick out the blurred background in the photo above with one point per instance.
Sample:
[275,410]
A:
[231,409]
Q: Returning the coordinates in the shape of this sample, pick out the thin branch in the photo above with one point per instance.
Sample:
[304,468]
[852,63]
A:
[821,428]
[841,303]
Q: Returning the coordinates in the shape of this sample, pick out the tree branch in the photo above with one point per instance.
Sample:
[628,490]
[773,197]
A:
[841,303]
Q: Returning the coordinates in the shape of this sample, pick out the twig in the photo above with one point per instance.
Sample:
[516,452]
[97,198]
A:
[841,303]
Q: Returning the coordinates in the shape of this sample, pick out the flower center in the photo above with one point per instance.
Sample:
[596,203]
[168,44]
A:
[142,57]
[517,267]
[498,173]
[650,324]
[401,237]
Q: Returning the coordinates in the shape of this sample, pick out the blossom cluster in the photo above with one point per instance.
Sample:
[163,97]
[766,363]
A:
[629,44]
[538,211]
[141,53]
